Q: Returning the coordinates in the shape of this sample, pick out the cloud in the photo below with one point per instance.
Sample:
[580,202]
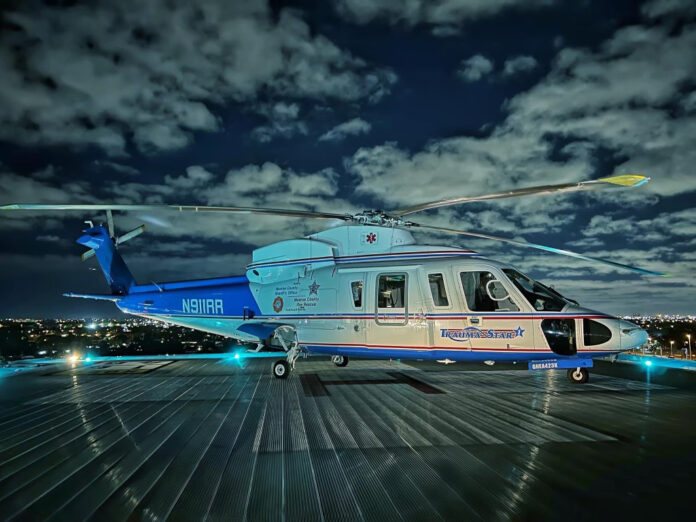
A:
[587,242]
[266,185]
[253,185]
[444,31]
[474,68]
[104,73]
[195,176]
[41,187]
[283,121]
[26,189]
[519,64]
[470,166]
[352,127]
[478,66]
[117,167]
[665,227]
[625,98]
[660,8]
[50,238]
[445,13]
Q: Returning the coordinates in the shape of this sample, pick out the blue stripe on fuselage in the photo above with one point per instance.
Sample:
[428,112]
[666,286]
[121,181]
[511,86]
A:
[368,257]
[435,354]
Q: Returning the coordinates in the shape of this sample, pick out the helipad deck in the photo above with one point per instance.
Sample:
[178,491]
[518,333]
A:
[188,440]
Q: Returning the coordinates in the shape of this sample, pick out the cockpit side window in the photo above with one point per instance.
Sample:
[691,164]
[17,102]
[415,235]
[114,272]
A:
[485,293]
[541,297]
[436,282]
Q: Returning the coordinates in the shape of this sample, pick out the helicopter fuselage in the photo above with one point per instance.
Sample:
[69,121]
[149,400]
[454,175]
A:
[372,292]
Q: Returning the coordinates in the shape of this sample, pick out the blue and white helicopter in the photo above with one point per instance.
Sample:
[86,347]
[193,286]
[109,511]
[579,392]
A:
[366,289]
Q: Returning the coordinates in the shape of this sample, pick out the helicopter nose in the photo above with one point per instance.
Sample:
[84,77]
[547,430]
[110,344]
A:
[631,336]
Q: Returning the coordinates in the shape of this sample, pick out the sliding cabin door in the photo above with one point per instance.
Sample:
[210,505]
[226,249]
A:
[398,328]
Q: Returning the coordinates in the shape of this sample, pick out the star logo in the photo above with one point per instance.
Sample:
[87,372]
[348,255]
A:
[371,237]
[314,288]
[519,331]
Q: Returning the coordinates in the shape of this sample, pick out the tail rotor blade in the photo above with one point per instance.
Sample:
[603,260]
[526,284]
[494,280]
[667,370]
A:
[130,235]
[544,248]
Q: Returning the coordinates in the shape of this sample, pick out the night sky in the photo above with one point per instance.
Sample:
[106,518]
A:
[341,105]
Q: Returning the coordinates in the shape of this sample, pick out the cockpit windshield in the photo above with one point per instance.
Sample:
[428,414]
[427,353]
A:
[540,296]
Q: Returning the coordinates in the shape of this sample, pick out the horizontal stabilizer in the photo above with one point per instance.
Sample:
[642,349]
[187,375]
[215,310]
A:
[99,297]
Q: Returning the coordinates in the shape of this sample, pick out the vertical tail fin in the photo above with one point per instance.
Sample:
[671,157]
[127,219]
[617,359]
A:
[115,270]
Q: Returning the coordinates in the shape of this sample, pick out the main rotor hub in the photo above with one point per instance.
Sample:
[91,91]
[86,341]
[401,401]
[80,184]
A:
[380,218]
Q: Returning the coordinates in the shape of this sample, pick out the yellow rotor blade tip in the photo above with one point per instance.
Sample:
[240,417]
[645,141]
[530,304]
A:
[627,180]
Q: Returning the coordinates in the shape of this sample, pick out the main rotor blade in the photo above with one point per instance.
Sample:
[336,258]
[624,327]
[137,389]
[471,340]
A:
[545,248]
[630,180]
[186,208]
[110,223]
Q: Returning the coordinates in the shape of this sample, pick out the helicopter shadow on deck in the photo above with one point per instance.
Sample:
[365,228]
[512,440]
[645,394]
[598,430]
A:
[315,386]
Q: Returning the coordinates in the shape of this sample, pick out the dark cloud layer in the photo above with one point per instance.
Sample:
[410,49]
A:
[153,73]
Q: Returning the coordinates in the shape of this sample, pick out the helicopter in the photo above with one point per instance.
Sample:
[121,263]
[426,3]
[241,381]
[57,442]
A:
[366,289]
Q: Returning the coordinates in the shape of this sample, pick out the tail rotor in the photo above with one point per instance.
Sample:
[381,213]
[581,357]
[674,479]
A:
[103,243]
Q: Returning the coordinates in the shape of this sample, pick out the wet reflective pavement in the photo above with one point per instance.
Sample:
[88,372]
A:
[196,439]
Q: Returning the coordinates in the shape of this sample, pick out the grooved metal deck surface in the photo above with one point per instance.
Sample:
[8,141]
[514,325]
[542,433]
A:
[189,440]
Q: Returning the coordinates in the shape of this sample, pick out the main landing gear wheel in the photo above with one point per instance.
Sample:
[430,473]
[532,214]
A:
[339,360]
[578,375]
[281,369]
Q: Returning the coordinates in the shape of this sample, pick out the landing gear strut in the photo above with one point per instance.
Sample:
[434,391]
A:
[578,375]
[339,360]
[287,337]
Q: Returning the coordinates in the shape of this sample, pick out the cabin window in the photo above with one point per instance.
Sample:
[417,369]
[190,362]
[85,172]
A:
[391,291]
[392,300]
[595,333]
[560,334]
[356,289]
[437,289]
[485,293]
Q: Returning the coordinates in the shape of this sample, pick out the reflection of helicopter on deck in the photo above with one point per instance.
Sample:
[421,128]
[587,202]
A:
[366,289]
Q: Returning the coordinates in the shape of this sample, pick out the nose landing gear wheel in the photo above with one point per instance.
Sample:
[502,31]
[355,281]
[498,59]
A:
[281,369]
[578,375]
[340,360]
